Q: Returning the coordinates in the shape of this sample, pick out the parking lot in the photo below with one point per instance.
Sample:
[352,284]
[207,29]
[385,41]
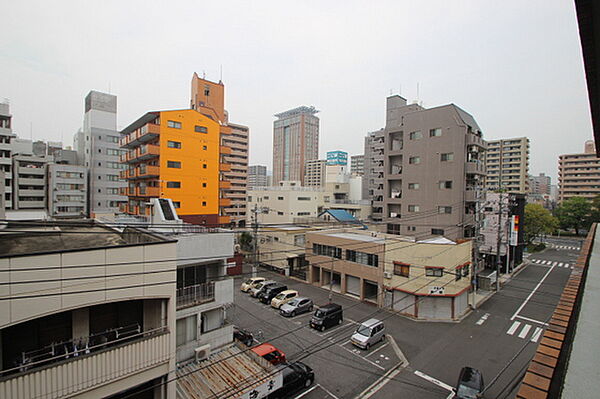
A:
[341,369]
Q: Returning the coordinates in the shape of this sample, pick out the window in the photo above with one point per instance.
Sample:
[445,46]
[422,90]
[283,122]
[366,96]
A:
[280,213]
[401,269]
[414,160]
[299,240]
[203,203]
[444,184]
[303,213]
[303,198]
[173,144]
[204,186]
[449,156]
[204,147]
[362,257]
[112,139]
[280,198]
[112,177]
[266,197]
[413,208]
[177,204]
[174,124]
[434,271]
[200,129]
[174,164]
[249,197]
[444,209]
[173,184]
[415,135]
[327,250]
[413,186]
[187,329]
[116,165]
[437,132]
[437,232]
[203,166]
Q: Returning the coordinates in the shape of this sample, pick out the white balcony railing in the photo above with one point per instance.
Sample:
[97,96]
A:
[89,370]
[195,294]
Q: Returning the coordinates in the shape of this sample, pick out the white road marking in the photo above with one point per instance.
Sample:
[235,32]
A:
[525,331]
[513,328]
[555,263]
[362,357]
[381,347]
[306,392]
[561,264]
[531,294]
[328,392]
[483,319]
[536,334]
[434,381]
[377,385]
[532,320]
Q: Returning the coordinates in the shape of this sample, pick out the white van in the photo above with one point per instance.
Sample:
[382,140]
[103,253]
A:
[368,333]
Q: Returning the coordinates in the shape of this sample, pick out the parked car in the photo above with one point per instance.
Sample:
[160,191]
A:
[296,376]
[368,333]
[470,384]
[254,291]
[270,292]
[269,353]
[283,297]
[327,316]
[296,306]
[251,283]
[243,336]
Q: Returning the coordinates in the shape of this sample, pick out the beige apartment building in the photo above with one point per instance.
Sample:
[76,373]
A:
[90,312]
[433,170]
[507,165]
[579,174]
[428,279]
[314,172]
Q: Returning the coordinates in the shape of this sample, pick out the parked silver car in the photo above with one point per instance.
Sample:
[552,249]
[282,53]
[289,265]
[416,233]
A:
[368,333]
[258,287]
[296,306]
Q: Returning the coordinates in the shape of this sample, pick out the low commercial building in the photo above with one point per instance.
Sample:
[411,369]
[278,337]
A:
[89,311]
[427,279]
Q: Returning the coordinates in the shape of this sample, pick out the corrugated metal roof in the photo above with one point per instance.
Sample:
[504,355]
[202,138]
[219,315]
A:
[225,374]
[341,215]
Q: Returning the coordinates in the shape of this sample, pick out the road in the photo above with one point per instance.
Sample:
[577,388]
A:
[499,338]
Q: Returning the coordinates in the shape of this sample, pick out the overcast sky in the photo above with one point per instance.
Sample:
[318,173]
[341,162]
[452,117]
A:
[515,66]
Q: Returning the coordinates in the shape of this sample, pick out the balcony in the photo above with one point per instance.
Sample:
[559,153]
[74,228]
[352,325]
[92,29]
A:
[119,358]
[473,139]
[475,167]
[224,149]
[127,191]
[145,171]
[146,133]
[224,167]
[224,184]
[224,220]
[224,202]
[147,191]
[146,151]
[195,294]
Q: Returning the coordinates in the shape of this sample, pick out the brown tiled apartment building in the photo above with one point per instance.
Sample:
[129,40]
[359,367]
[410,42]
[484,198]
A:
[579,174]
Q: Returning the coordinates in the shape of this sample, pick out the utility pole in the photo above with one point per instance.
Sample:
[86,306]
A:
[476,245]
[498,245]
[255,246]
[331,281]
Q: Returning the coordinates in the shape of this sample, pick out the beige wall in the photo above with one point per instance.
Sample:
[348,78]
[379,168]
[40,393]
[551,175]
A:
[579,174]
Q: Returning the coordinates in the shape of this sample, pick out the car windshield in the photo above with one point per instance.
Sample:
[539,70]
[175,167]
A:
[293,302]
[464,391]
[248,281]
[280,296]
[319,313]
[363,330]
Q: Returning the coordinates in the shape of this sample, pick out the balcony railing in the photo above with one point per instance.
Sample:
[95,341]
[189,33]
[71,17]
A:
[195,294]
[116,358]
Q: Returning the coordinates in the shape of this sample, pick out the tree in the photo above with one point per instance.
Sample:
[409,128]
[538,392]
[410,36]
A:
[595,211]
[574,213]
[538,221]
[246,241]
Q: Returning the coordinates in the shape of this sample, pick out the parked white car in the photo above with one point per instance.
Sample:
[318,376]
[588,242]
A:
[283,298]
[251,283]
[368,333]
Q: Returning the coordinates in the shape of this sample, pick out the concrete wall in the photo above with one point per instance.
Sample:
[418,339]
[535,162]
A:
[200,248]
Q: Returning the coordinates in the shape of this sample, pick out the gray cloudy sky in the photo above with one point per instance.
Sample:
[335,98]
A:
[515,65]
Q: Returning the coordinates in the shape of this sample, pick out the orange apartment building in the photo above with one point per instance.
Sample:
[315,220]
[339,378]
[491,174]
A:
[208,98]
[178,155]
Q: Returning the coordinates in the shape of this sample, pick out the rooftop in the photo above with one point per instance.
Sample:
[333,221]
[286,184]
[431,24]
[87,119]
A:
[297,111]
[35,237]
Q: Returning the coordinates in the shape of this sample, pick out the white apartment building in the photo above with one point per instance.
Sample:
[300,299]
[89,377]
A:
[507,165]
[67,190]
[6,138]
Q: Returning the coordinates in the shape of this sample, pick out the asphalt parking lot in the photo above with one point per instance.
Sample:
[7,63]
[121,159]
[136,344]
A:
[341,369]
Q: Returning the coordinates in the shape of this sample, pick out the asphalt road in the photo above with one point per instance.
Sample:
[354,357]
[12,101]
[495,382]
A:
[499,338]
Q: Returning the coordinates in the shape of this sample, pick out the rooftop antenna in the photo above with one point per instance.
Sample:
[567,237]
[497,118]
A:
[203,75]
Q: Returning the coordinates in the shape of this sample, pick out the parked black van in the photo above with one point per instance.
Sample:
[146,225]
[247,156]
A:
[327,316]
[271,292]
[296,377]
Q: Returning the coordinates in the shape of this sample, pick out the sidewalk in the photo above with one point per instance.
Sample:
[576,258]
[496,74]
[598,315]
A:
[481,296]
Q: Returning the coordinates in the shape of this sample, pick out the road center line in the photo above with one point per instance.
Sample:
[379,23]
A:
[434,381]
[531,294]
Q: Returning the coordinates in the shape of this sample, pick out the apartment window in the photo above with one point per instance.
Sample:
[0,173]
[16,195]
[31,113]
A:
[437,132]
[249,198]
[415,135]
[303,198]
[413,186]
[299,239]
[444,209]
[303,214]
[203,166]
[203,203]
[204,186]
[204,147]
[280,198]
[445,184]
[173,144]
[327,250]
[414,160]
[449,156]
[112,177]
[200,129]
[187,329]
[266,197]
[362,258]
[413,208]
[177,204]
[434,271]
[112,139]
[174,164]
[173,184]
[437,232]
[280,213]
[174,124]
[401,269]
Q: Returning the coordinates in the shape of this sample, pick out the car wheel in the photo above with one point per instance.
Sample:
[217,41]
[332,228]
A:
[293,313]
[308,382]
[340,321]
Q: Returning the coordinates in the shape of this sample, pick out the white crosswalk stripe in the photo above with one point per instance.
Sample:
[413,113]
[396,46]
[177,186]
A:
[524,331]
[561,264]
[536,334]
[513,328]
[555,263]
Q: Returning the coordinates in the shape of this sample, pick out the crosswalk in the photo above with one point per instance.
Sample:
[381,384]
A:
[552,263]
[523,330]
[573,248]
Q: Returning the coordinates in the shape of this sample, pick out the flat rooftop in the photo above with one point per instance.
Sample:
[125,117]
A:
[355,236]
[29,238]
[225,374]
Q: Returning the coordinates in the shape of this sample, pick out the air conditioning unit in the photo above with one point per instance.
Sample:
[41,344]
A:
[387,274]
[202,352]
